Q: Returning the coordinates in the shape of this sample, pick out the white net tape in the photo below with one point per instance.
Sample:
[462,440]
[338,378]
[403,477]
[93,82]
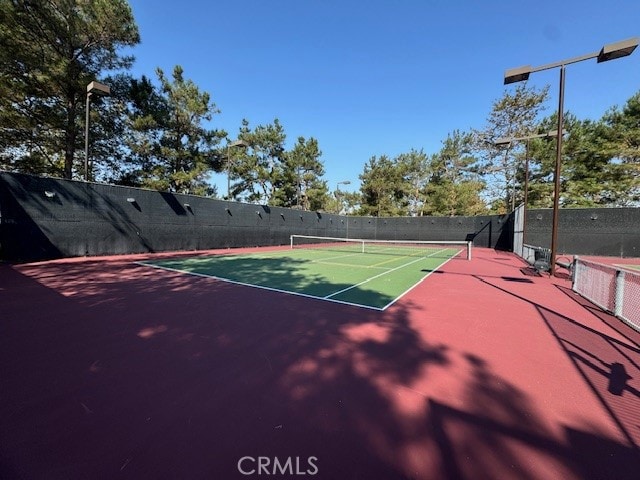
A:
[447,248]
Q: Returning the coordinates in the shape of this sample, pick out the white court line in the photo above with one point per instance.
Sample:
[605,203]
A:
[305,295]
[234,282]
[381,274]
[417,283]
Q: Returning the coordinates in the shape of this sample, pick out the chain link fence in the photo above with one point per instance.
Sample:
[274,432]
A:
[613,289]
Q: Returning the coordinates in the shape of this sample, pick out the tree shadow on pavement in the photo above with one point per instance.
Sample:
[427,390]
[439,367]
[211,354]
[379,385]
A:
[137,375]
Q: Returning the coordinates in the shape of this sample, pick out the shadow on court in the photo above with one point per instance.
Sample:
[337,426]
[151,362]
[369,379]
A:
[114,370]
[282,273]
[608,365]
[336,273]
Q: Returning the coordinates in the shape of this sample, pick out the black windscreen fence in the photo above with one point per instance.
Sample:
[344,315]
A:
[45,218]
[612,232]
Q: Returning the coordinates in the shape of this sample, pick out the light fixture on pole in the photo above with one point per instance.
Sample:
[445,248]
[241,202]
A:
[96,88]
[237,143]
[508,141]
[344,182]
[611,51]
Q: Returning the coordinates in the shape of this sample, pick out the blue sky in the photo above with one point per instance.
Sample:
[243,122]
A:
[382,77]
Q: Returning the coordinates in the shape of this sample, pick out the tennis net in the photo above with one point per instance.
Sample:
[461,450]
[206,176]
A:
[417,248]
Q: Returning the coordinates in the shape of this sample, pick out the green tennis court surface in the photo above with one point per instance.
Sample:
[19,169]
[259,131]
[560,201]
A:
[374,279]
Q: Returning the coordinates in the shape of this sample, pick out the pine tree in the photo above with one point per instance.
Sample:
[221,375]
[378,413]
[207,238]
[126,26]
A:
[51,50]
[513,115]
[258,171]
[171,148]
[454,188]
[301,183]
[383,188]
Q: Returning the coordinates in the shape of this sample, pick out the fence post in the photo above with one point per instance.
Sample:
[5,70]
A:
[619,293]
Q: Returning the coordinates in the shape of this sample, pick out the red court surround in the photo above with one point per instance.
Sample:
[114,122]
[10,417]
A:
[109,369]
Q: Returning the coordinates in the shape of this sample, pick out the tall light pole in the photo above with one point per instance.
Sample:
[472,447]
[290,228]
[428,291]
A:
[237,143]
[299,187]
[344,182]
[608,52]
[98,89]
[527,138]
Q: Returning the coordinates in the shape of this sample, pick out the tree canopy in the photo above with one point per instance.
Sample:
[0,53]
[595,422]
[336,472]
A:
[51,50]
[159,131]
[171,149]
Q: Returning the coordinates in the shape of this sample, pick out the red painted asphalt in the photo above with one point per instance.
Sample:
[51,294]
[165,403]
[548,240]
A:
[113,370]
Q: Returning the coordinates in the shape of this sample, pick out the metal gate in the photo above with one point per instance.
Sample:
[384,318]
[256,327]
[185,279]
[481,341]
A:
[518,230]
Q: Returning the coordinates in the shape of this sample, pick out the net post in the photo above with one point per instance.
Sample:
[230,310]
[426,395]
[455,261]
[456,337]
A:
[469,250]
[574,273]
[291,239]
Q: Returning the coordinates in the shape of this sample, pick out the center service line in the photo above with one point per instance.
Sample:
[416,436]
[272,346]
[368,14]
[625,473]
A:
[383,273]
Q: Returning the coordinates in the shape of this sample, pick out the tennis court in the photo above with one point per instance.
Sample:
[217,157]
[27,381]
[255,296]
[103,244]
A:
[369,274]
[112,368]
